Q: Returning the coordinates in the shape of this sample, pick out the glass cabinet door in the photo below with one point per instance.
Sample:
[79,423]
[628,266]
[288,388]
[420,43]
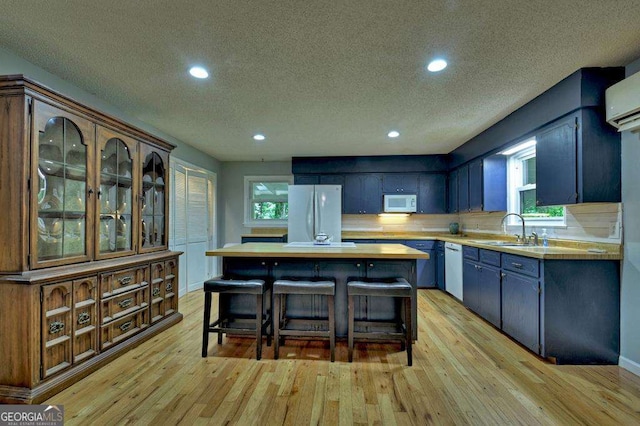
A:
[153,224]
[61,191]
[116,171]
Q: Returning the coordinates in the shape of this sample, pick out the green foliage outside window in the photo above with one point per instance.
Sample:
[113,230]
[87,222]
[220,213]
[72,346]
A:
[528,206]
[270,210]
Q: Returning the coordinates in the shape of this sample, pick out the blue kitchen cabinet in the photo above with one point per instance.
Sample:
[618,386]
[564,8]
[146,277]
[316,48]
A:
[521,309]
[362,193]
[393,183]
[463,189]
[482,185]
[432,193]
[578,160]
[263,239]
[425,268]
[332,179]
[306,179]
[556,164]
[482,283]
[453,192]
[475,186]
[440,265]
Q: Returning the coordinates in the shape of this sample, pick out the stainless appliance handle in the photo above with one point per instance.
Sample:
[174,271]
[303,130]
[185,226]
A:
[453,249]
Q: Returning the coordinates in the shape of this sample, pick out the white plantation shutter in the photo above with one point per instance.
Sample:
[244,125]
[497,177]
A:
[197,208]
[180,207]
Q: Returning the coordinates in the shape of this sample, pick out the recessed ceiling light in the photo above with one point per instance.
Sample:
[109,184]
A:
[437,65]
[393,134]
[198,72]
[259,137]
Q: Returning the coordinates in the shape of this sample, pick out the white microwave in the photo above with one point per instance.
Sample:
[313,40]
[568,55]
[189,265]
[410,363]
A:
[400,203]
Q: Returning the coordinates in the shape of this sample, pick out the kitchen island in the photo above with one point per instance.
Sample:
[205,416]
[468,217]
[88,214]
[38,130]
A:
[274,261]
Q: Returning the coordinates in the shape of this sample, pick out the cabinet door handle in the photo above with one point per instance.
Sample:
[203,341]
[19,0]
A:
[502,274]
[125,280]
[89,192]
[56,327]
[83,318]
[371,265]
[125,303]
[517,265]
[357,265]
[125,326]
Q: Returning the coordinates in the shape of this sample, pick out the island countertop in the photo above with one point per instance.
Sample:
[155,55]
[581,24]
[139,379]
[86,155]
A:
[280,250]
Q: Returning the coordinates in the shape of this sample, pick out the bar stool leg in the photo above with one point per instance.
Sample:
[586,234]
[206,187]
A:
[221,314]
[207,321]
[409,329]
[276,327]
[259,308]
[269,326]
[332,327]
[351,328]
[401,309]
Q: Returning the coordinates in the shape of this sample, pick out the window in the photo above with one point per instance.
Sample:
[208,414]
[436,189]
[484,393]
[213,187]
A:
[522,188]
[266,200]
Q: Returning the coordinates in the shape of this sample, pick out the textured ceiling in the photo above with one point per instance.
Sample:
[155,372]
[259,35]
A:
[319,77]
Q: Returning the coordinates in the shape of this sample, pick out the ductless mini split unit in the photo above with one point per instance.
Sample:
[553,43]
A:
[623,104]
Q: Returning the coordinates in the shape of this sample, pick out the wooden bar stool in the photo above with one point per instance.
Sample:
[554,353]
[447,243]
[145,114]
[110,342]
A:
[399,329]
[243,324]
[286,326]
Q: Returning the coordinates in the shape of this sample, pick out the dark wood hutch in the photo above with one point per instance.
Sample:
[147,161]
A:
[85,270]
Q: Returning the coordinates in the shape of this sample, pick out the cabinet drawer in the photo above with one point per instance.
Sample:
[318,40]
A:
[122,281]
[421,244]
[490,257]
[123,304]
[521,265]
[122,328]
[470,252]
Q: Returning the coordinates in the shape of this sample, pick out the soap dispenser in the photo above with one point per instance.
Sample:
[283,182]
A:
[545,238]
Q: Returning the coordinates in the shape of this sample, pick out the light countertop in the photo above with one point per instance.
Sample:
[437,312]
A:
[559,249]
[279,250]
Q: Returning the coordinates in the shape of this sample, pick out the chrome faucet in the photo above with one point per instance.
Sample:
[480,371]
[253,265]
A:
[524,237]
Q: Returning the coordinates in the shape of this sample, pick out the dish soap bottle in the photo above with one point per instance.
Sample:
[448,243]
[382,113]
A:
[545,238]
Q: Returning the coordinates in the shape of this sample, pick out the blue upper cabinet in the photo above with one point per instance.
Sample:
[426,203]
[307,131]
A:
[306,179]
[453,191]
[362,193]
[556,164]
[432,193]
[482,185]
[578,161]
[475,186]
[393,183]
[463,189]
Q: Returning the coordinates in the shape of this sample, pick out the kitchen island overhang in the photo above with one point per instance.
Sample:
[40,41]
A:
[274,261]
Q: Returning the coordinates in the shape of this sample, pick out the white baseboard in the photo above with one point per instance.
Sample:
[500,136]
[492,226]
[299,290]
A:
[632,366]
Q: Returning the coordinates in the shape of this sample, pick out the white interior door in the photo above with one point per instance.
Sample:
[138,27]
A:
[193,223]
[197,229]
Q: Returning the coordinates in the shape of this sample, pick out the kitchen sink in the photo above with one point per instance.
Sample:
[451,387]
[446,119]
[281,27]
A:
[503,243]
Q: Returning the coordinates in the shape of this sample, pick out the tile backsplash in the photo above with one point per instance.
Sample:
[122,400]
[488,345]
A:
[601,222]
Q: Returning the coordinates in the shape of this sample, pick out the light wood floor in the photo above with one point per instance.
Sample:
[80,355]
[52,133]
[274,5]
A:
[464,372]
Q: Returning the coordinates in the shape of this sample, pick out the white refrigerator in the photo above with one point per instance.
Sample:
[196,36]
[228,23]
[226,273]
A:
[314,209]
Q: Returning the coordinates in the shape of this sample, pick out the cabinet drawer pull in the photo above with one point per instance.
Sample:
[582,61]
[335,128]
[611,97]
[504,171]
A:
[169,287]
[125,280]
[83,318]
[517,265]
[156,291]
[126,325]
[125,303]
[56,327]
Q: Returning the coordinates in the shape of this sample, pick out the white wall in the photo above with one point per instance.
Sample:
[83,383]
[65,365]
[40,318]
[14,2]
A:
[231,191]
[630,286]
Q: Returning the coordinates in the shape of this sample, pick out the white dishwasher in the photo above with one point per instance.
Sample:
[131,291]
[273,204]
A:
[453,269]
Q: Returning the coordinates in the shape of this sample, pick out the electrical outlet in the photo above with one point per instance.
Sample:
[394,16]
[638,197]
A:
[614,230]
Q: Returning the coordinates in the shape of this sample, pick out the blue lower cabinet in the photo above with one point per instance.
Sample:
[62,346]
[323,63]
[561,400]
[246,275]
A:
[440,266]
[470,289]
[489,294]
[426,268]
[521,309]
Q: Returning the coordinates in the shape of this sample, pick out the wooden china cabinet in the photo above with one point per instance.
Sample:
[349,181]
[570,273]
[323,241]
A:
[85,270]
